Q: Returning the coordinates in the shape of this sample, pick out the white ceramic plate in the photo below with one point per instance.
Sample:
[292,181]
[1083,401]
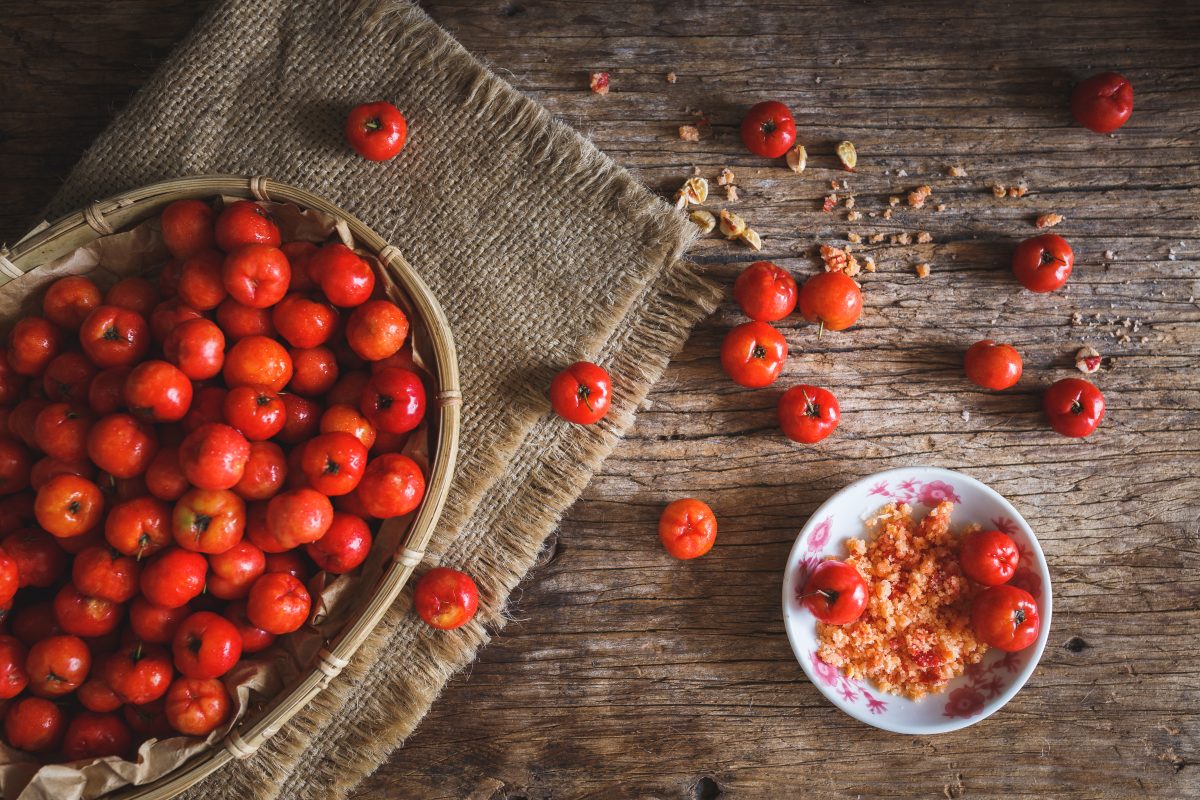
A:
[986,686]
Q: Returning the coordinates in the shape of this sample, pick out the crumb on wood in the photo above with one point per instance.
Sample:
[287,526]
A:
[924,237]
[797,158]
[922,270]
[853,238]
[598,81]
[875,238]
[849,201]
[956,171]
[918,196]
[1110,254]
[731,193]
[853,216]
[1048,220]
[725,178]
[689,133]
[671,77]
[830,202]
[868,264]
[998,190]
[966,415]
[1087,360]
[893,201]
[887,213]
[940,207]
[732,225]
[839,259]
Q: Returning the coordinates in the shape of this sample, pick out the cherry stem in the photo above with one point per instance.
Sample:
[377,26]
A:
[820,328]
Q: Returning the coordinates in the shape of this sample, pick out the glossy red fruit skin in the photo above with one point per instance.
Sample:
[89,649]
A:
[139,527]
[187,227]
[61,430]
[169,315]
[344,546]
[32,345]
[13,677]
[768,129]
[1074,407]
[214,456]
[239,321]
[254,638]
[256,275]
[96,695]
[206,645]
[278,603]
[258,360]
[991,365]
[1006,617]
[765,292]
[201,283]
[1103,102]
[35,725]
[446,598]
[808,414]
[298,516]
[348,419]
[303,419]
[69,300]
[245,222]
[10,580]
[835,593]
[136,294]
[106,392]
[174,577]
[68,377]
[394,400]
[687,528]
[208,406]
[581,393]
[91,735]
[122,445]
[298,253]
[12,384]
[376,330]
[99,571]
[831,299]
[232,572]
[1043,263]
[114,337]
[164,477]
[254,411]
[57,665]
[314,371]
[46,468]
[377,131]
[988,557]
[208,520]
[155,624]
[15,466]
[392,486]
[753,354]
[197,348]
[197,706]
[40,561]
[344,277]
[265,474]
[138,673]
[81,615]
[157,391]
[333,463]
[68,505]
[303,321]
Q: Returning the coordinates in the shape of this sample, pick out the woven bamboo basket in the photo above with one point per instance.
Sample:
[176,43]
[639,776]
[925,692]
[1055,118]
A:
[121,211]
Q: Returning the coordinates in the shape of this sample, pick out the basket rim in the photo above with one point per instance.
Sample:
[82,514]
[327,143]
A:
[115,213]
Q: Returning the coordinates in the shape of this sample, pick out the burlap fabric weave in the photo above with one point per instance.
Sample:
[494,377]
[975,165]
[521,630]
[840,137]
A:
[540,248]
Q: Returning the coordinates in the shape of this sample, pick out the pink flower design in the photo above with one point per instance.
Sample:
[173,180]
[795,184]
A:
[848,693]
[965,701]
[907,490]
[935,492]
[819,535]
[1005,525]
[992,687]
[1009,661]
[874,704]
[880,488]
[976,671]
[807,565]
[827,672]
[1028,580]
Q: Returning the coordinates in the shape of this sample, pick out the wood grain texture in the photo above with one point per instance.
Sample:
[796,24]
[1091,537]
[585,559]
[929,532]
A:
[626,674]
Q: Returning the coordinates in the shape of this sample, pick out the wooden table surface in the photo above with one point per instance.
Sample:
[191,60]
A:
[626,674]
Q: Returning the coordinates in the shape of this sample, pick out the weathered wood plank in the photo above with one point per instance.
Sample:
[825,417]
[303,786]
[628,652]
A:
[625,674]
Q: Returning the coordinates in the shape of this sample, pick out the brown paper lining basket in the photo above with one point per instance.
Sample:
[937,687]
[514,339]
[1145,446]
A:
[116,213]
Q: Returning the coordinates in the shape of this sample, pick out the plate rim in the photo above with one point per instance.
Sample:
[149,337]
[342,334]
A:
[952,724]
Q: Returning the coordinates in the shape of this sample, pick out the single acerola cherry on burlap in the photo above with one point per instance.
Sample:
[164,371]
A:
[581,393]
[376,131]
[446,598]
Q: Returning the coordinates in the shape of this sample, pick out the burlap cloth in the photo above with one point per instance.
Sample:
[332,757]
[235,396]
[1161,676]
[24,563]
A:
[541,250]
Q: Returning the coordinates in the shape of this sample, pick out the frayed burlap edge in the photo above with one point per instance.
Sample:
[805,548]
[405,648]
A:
[322,752]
